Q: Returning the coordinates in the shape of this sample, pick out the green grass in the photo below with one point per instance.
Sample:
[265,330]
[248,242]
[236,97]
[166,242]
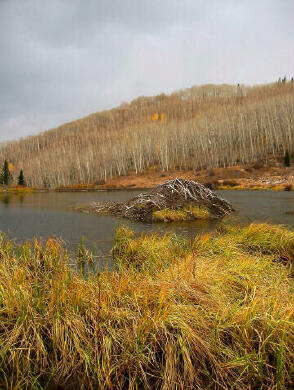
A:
[181,214]
[216,313]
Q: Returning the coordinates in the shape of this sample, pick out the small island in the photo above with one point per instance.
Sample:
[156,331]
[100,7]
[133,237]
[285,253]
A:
[174,200]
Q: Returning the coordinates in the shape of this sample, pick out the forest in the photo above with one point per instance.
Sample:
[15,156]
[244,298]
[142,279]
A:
[195,128]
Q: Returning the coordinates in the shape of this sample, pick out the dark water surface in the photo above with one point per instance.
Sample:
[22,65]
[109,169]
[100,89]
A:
[49,214]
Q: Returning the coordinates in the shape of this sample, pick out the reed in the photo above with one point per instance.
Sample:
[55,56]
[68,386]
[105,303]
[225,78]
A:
[213,313]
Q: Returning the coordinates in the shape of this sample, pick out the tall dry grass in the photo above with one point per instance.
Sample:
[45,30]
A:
[208,126]
[213,314]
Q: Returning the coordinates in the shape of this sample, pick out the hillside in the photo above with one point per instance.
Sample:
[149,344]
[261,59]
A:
[196,128]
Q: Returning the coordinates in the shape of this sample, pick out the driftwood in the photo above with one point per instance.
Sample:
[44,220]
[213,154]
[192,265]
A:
[172,194]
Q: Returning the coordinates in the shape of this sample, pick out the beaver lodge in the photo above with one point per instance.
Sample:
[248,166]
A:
[174,200]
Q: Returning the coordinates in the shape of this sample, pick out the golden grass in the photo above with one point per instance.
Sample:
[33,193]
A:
[181,214]
[17,189]
[257,186]
[213,314]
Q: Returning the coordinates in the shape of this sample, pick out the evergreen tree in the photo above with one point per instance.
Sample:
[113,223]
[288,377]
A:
[287,159]
[6,176]
[21,180]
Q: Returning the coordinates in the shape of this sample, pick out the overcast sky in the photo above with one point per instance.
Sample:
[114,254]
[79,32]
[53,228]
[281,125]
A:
[63,59]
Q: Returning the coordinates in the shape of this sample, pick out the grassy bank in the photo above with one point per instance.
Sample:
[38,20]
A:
[181,214]
[18,189]
[272,176]
[216,313]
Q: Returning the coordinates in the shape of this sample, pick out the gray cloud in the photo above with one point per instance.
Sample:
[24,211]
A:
[63,59]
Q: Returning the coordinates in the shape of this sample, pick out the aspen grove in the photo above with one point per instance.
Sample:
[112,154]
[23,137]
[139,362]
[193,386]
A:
[195,128]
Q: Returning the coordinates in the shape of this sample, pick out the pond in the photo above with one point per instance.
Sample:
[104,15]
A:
[50,214]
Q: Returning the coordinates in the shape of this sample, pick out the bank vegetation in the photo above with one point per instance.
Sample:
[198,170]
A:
[213,313]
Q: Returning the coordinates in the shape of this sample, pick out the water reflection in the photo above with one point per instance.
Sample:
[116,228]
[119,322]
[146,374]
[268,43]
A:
[5,199]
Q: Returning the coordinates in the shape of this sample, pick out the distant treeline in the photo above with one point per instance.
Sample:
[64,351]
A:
[199,127]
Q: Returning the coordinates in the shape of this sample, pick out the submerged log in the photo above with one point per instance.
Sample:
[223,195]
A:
[173,194]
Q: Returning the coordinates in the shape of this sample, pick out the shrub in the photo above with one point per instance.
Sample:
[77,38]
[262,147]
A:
[230,183]
[287,159]
[5,176]
[21,180]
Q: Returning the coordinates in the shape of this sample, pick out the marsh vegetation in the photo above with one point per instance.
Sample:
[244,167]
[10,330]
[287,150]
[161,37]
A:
[216,312]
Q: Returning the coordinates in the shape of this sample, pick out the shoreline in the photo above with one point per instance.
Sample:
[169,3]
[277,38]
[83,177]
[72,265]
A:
[254,177]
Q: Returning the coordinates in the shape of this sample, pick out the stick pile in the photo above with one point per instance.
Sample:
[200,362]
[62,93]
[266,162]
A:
[173,194]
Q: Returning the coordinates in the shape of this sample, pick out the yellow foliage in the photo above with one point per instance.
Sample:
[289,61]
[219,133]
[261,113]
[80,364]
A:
[158,117]
[10,167]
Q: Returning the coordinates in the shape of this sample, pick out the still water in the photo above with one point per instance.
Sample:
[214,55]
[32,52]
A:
[46,215]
